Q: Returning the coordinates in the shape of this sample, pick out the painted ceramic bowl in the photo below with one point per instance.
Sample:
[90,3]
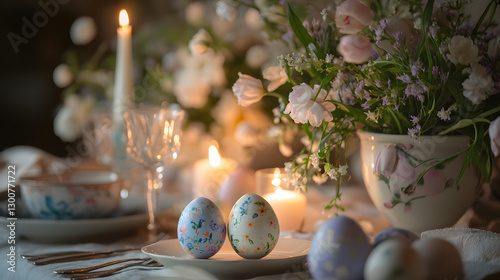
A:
[84,194]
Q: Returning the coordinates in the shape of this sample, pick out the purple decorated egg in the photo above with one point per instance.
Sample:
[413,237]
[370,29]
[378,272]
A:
[339,250]
[201,229]
[394,233]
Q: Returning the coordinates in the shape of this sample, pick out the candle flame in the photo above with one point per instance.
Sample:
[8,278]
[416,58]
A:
[213,156]
[276,180]
[123,18]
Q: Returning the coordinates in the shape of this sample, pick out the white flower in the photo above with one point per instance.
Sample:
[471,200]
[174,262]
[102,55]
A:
[276,75]
[82,30]
[479,85]
[285,149]
[314,160]
[355,48]
[197,75]
[303,109]
[462,50]
[320,179]
[494,48]
[200,42]
[226,10]
[372,116]
[246,134]
[73,117]
[352,16]
[274,13]
[248,90]
[343,170]
[444,114]
[62,76]
[256,56]
[494,132]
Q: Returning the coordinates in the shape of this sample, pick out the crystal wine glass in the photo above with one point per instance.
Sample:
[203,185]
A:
[153,140]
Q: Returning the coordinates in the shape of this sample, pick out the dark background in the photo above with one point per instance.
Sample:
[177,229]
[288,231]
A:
[29,99]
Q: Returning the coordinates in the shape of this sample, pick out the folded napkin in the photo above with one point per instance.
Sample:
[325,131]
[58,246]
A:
[28,161]
[474,245]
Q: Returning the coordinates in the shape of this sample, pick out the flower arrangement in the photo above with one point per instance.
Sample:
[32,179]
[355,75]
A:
[395,67]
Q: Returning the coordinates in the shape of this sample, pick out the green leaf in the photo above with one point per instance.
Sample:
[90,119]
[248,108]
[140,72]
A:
[302,34]
[250,241]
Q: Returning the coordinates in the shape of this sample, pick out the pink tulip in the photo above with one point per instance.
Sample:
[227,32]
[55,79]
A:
[355,49]
[276,75]
[352,16]
[386,161]
[494,131]
[248,89]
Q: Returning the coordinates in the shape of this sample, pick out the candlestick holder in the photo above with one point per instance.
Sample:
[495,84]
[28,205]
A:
[288,203]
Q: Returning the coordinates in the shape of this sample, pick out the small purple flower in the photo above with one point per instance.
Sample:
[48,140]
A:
[435,71]
[414,120]
[385,100]
[414,132]
[365,105]
[405,78]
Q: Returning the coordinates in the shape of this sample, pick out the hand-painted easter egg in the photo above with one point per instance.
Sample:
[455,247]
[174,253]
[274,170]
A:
[440,257]
[338,250]
[396,260]
[252,227]
[201,229]
[394,233]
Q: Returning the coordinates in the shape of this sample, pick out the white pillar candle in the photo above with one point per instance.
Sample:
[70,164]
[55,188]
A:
[289,205]
[124,84]
[210,173]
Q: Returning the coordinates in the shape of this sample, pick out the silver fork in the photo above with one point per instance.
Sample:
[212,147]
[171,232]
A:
[95,274]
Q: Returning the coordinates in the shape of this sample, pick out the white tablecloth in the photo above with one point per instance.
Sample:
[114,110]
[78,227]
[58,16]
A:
[354,199]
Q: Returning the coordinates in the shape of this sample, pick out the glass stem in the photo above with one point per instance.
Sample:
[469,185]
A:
[152,201]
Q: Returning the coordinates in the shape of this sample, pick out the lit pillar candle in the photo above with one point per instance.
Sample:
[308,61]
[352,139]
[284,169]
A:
[289,205]
[210,173]
[123,91]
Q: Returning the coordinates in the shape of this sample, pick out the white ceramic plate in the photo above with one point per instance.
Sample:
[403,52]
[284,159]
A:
[59,231]
[289,256]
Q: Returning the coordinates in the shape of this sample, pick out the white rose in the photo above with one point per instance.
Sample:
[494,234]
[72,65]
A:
[352,16]
[276,75]
[355,49]
[200,42]
[190,90]
[73,117]
[62,76]
[462,50]
[303,109]
[479,85]
[248,90]
[494,48]
[83,30]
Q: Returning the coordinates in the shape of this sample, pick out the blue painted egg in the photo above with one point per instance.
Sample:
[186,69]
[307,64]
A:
[339,250]
[201,229]
[394,233]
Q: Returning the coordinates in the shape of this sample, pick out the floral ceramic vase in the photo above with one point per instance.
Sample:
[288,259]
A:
[415,183]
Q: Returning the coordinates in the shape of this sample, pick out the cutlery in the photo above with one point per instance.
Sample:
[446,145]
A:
[104,273]
[87,269]
[68,256]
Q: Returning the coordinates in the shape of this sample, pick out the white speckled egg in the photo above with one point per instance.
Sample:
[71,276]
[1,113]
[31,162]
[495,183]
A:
[441,258]
[396,260]
[394,233]
[201,229]
[252,227]
[338,250]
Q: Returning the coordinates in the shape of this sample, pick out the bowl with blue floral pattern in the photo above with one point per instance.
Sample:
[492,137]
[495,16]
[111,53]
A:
[78,194]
